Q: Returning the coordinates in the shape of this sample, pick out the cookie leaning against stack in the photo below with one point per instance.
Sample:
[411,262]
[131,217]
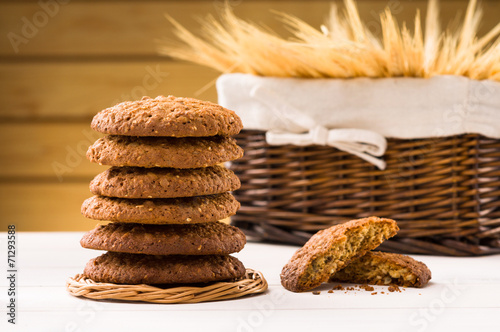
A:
[164,193]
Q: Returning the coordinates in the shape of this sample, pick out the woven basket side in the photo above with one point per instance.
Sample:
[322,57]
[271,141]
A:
[443,192]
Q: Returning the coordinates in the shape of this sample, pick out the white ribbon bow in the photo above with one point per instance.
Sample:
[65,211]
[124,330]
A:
[299,129]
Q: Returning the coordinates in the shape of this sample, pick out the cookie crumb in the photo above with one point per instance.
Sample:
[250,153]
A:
[374,293]
[330,291]
[316,292]
[394,288]
[338,287]
[367,288]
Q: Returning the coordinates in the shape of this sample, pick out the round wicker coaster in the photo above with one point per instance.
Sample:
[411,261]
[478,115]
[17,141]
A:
[252,283]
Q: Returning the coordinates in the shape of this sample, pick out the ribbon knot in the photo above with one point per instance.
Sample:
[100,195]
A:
[295,127]
[319,135]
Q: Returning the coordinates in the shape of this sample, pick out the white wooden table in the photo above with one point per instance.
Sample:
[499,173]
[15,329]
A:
[464,293]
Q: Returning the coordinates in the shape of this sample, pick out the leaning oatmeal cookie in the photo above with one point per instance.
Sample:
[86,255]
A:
[383,268]
[331,249]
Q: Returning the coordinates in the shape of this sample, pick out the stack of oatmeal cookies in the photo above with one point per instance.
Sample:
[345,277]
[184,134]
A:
[164,193]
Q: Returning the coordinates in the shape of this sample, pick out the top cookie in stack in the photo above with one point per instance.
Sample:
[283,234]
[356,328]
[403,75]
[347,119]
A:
[164,154]
[169,117]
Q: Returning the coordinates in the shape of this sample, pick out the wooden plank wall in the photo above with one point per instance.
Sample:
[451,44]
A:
[63,61]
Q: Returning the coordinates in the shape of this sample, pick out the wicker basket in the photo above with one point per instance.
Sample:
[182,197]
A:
[444,192]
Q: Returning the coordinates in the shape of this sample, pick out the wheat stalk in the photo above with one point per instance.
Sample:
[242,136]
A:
[343,47]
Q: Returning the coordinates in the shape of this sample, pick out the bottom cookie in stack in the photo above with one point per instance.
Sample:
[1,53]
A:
[132,269]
